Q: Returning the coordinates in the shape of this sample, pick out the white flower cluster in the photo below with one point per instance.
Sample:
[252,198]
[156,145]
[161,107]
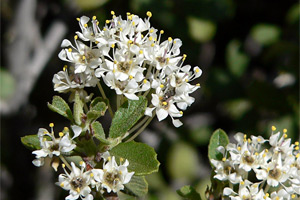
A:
[130,57]
[80,182]
[274,161]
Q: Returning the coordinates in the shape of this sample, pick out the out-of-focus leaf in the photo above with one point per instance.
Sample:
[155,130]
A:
[141,157]
[218,138]
[138,186]
[237,108]
[182,161]
[201,30]
[7,84]
[31,142]
[265,34]
[235,59]
[200,135]
[90,4]
[188,193]
[293,14]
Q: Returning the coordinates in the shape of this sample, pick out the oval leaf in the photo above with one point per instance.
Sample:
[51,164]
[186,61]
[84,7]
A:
[141,157]
[189,193]
[31,142]
[78,109]
[137,186]
[126,117]
[99,132]
[218,138]
[61,107]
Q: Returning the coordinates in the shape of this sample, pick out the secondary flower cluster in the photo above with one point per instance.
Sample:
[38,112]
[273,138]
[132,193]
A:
[110,178]
[274,161]
[131,58]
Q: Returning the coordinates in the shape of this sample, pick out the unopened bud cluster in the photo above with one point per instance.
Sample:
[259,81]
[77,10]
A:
[274,161]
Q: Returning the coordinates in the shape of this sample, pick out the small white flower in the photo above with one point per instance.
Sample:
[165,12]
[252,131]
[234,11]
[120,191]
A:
[77,182]
[113,176]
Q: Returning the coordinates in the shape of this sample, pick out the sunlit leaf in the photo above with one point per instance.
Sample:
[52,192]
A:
[201,30]
[265,34]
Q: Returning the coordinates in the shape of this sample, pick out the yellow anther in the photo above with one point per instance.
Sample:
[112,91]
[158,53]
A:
[162,32]
[256,153]
[249,140]
[114,71]
[174,42]
[239,148]
[150,38]
[245,136]
[81,163]
[161,86]
[66,129]
[297,148]
[128,13]
[273,128]
[113,46]
[268,169]
[164,103]
[151,30]
[242,182]
[145,81]
[298,155]
[109,158]
[130,17]
[97,23]
[266,150]
[277,198]
[63,165]
[285,135]
[197,70]
[186,80]
[130,77]
[181,112]
[94,17]
[224,159]
[83,57]
[112,12]
[168,59]
[121,29]
[65,67]
[119,22]
[91,175]
[267,194]
[133,23]
[78,19]
[198,84]
[51,125]
[284,130]
[130,41]
[104,29]
[170,39]
[44,139]
[78,190]
[258,139]
[293,196]
[264,155]
[45,132]
[121,159]
[76,37]
[70,50]
[61,134]
[107,21]
[297,143]
[96,42]
[62,185]
[152,45]
[149,14]
[85,25]
[141,52]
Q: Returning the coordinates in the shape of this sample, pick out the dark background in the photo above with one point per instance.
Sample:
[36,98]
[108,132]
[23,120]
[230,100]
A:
[248,51]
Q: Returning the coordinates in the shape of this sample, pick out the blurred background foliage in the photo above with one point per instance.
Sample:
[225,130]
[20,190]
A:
[248,51]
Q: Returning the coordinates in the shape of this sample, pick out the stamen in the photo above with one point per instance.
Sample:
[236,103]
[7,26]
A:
[149,14]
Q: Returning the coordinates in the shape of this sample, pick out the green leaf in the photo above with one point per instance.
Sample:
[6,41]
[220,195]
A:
[7,84]
[99,132]
[89,4]
[137,186]
[235,59]
[126,116]
[97,109]
[61,107]
[98,100]
[141,157]
[31,142]
[201,30]
[189,193]
[218,138]
[265,34]
[78,109]
[75,159]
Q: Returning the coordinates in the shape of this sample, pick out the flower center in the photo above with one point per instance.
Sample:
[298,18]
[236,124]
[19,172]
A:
[275,173]
[248,159]
[111,178]
[161,60]
[123,67]
[77,183]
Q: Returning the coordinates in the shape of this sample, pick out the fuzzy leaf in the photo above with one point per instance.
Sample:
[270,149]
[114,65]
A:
[78,109]
[188,193]
[61,107]
[218,138]
[126,117]
[141,157]
[31,142]
[137,186]
[99,132]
